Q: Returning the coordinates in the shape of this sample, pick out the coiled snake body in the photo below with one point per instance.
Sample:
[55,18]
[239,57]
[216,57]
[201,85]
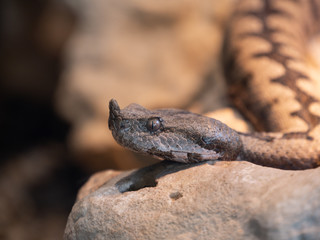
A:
[272,81]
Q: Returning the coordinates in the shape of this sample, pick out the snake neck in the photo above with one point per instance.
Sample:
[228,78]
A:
[294,151]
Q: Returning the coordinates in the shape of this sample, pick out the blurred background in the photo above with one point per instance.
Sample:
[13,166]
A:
[61,62]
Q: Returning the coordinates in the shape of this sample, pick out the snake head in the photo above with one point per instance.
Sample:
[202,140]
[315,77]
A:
[172,134]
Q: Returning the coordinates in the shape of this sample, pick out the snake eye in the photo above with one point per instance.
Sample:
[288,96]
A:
[154,124]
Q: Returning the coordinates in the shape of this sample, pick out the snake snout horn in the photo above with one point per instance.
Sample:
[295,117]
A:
[114,113]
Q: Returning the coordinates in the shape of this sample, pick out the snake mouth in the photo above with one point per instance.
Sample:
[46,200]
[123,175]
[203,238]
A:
[186,156]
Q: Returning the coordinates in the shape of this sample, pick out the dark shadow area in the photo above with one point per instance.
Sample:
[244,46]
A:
[147,176]
[257,229]
[25,123]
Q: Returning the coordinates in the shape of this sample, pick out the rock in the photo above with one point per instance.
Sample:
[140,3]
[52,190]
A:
[213,200]
[96,181]
[157,54]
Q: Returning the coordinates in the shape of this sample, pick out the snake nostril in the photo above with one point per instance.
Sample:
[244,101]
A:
[125,124]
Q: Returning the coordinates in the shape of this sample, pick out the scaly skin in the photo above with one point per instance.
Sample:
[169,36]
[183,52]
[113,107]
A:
[187,137]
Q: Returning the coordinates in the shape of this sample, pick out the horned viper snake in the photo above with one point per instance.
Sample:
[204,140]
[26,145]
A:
[271,80]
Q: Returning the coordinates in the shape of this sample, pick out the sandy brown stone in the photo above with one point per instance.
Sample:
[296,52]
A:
[96,181]
[222,200]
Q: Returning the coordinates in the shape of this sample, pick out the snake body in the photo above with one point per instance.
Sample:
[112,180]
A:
[271,80]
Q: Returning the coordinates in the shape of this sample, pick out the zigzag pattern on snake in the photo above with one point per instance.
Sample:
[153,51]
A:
[273,81]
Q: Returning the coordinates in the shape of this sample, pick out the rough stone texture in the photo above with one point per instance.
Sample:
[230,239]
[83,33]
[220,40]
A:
[155,53]
[222,200]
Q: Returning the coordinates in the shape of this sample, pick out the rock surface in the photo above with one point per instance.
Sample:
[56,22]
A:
[213,200]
